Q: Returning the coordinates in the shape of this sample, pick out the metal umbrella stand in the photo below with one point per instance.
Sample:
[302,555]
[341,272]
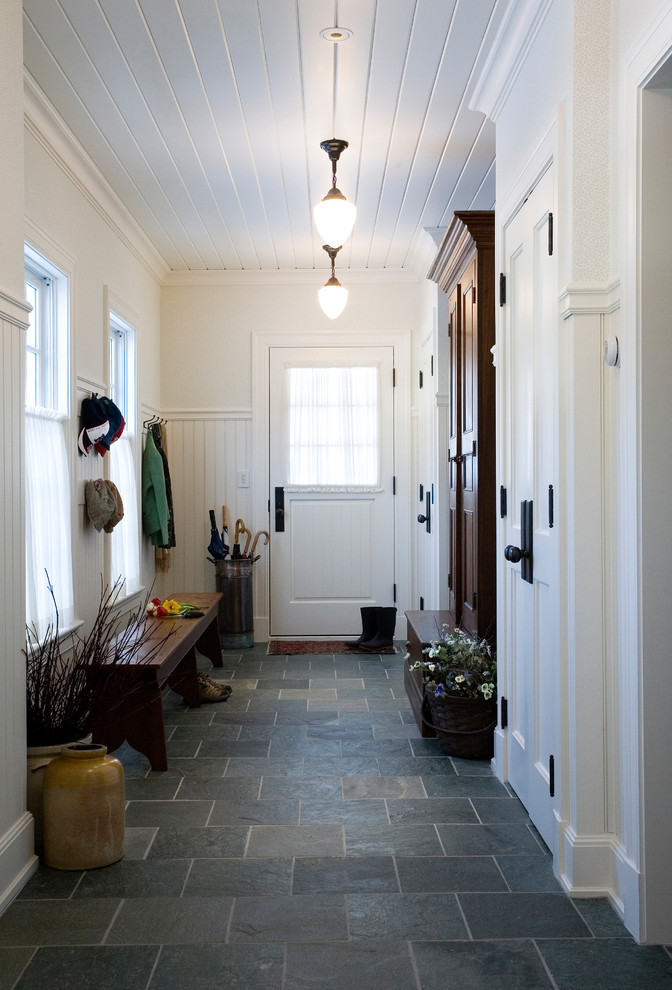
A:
[236,626]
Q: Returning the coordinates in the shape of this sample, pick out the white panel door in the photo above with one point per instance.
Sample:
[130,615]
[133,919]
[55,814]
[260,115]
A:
[332,546]
[529,359]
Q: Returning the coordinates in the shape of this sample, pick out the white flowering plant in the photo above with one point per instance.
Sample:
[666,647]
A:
[459,666]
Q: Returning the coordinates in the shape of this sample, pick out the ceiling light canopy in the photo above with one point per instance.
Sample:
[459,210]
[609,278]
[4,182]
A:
[336,34]
[334,216]
[332,295]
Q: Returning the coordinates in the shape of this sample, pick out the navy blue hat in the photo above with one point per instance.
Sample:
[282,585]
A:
[94,424]
[115,421]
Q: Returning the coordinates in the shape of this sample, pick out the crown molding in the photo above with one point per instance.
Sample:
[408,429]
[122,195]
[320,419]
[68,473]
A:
[517,32]
[43,122]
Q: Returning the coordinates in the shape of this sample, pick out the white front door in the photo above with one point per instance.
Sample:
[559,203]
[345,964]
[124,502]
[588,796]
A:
[527,361]
[331,471]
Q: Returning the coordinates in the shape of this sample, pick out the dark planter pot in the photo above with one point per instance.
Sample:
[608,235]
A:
[465,726]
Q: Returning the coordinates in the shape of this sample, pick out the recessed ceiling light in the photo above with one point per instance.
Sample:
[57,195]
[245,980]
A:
[336,34]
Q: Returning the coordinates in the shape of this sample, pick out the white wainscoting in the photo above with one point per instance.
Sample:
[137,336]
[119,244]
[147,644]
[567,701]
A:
[17,859]
[206,451]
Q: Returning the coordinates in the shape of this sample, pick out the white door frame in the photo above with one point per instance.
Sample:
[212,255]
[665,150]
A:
[262,341]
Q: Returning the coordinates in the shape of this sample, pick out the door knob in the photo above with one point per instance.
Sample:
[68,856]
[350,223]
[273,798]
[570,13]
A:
[514,554]
[422,519]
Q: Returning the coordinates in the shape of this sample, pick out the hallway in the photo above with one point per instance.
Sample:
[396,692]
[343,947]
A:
[305,836]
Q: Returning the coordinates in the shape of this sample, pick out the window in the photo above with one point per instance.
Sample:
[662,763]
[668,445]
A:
[124,539]
[334,427]
[48,545]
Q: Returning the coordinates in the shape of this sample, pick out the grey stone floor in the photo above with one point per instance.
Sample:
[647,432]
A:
[306,836]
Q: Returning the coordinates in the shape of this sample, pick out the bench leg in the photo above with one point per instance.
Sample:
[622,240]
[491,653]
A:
[210,645]
[184,680]
[137,717]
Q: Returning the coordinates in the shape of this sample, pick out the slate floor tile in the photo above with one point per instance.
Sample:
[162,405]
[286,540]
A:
[12,963]
[500,810]
[279,841]
[255,813]
[344,766]
[219,789]
[373,873]
[449,873]
[392,840]
[56,922]
[300,917]
[90,968]
[161,920]
[233,747]
[430,810]
[238,877]
[618,964]
[535,873]
[291,788]
[359,788]
[600,917]
[487,840]
[513,965]
[372,965]
[157,813]
[194,842]
[404,916]
[315,812]
[448,784]
[48,884]
[279,766]
[132,878]
[522,916]
[257,967]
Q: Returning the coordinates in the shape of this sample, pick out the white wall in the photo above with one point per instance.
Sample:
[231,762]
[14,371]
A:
[207,323]
[78,236]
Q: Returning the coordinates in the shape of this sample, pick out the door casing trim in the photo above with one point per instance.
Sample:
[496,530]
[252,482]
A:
[262,341]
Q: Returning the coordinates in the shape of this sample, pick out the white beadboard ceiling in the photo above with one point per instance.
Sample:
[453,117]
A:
[205,117]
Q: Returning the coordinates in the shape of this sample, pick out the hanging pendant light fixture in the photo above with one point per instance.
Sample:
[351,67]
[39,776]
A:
[332,295]
[334,216]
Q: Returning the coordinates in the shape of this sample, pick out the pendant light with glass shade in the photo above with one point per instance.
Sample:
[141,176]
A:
[332,295]
[334,216]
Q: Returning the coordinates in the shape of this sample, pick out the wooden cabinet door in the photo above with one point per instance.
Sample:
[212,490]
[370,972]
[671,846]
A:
[454,506]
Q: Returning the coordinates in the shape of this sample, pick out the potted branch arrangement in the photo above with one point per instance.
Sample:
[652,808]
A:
[61,700]
[460,682]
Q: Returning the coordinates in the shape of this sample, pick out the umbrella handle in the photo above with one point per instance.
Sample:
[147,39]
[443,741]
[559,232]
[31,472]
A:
[261,532]
[240,527]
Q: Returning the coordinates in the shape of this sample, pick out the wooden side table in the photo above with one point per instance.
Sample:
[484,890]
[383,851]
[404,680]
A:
[422,628]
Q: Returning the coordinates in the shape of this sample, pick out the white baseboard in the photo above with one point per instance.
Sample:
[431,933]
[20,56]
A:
[18,861]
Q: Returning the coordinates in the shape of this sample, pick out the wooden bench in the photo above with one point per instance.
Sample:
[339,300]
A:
[132,709]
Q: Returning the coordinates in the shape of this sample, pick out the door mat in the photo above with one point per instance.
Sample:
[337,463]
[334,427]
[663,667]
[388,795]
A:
[278,647]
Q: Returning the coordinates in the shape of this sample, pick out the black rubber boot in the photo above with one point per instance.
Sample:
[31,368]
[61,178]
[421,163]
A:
[384,636]
[369,625]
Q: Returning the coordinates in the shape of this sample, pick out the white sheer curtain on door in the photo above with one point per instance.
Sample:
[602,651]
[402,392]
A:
[124,540]
[334,427]
[48,530]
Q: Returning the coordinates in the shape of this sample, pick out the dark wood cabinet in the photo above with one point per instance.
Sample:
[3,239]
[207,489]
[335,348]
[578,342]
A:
[464,268]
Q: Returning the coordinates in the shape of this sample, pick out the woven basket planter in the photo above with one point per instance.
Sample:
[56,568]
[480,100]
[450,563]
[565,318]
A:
[464,726]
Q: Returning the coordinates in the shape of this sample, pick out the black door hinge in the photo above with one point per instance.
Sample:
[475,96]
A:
[502,502]
[551,776]
[419,379]
[502,288]
[431,365]
[394,592]
[550,507]
[503,713]
[394,377]
[394,484]
[550,233]
[421,497]
[422,604]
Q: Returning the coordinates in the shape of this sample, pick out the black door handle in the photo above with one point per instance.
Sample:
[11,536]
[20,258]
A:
[524,552]
[422,519]
[279,510]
